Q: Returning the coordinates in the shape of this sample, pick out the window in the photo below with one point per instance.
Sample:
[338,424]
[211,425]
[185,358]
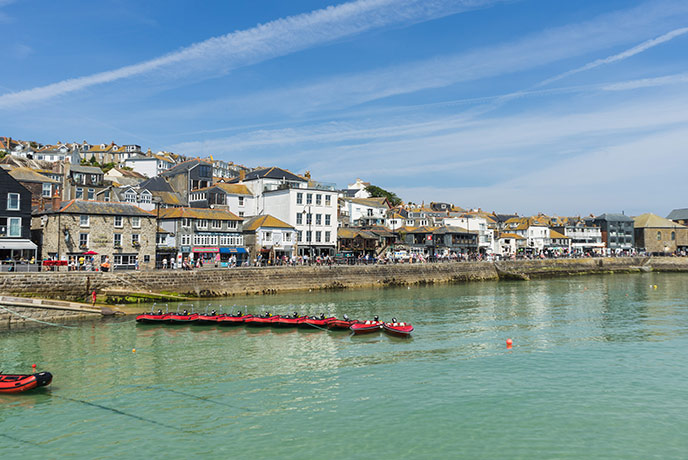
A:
[287,236]
[47,190]
[327,200]
[241,213]
[106,195]
[91,194]
[79,193]
[83,240]
[202,223]
[299,218]
[94,178]
[673,236]
[308,236]
[146,258]
[318,199]
[309,198]
[659,236]
[83,221]
[267,236]
[232,224]
[14,227]
[145,197]
[186,240]
[135,222]
[118,222]
[327,219]
[216,223]
[318,219]
[299,236]
[299,198]
[318,234]
[117,240]
[241,201]
[327,237]
[130,197]
[135,239]
[370,212]
[186,222]
[309,218]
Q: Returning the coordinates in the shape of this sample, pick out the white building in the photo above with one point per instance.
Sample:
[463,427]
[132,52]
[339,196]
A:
[310,207]
[357,189]
[149,165]
[486,241]
[365,211]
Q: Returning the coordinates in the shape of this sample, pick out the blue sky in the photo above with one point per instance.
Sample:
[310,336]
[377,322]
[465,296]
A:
[509,105]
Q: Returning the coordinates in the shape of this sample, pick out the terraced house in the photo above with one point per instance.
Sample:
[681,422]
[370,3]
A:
[211,235]
[120,233]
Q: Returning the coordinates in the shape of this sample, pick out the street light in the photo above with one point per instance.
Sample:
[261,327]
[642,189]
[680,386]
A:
[309,235]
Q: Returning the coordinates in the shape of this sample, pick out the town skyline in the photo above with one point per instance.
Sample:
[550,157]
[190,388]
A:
[512,106]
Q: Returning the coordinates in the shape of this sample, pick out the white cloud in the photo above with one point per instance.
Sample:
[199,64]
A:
[647,82]
[646,45]
[219,55]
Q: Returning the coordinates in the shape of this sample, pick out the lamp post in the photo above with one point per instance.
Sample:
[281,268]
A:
[309,236]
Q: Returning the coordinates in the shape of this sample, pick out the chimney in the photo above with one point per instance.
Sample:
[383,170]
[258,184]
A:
[307,175]
[242,175]
[57,202]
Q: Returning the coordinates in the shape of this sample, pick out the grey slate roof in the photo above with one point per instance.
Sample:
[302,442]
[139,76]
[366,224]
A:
[86,169]
[184,166]
[678,214]
[273,173]
[613,217]
[102,208]
[156,184]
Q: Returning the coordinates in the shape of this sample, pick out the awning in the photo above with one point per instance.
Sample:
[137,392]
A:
[17,244]
[233,251]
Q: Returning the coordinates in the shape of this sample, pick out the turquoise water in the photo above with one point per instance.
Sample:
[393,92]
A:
[599,369]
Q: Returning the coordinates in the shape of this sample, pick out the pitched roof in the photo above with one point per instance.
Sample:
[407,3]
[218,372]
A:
[556,234]
[511,235]
[273,173]
[377,202]
[230,189]
[678,214]
[197,213]
[110,208]
[157,183]
[650,220]
[254,223]
[185,166]
[168,198]
[23,174]
[617,217]
[86,169]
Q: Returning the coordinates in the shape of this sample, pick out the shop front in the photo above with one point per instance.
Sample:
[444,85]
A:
[206,255]
[232,256]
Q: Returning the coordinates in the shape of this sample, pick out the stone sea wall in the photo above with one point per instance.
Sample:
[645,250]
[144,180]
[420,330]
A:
[14,317]
[270,280]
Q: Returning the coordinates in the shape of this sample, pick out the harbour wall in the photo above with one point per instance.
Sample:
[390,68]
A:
[15,317]
[170,284]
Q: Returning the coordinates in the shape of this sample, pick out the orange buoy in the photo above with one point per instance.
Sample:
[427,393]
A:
[509,343]
[133,350]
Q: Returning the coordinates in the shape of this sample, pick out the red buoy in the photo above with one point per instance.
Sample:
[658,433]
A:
[509,343]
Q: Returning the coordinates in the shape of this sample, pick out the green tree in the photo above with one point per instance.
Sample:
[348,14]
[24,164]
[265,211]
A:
[376,191]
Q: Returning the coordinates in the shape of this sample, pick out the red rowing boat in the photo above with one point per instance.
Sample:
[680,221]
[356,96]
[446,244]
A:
[315,321]
[151,318]
[230,320]
[184,318]
[399,329]
[288,320]
[342,324]
[10,383]
[262,320]
[212,318]
[364,327]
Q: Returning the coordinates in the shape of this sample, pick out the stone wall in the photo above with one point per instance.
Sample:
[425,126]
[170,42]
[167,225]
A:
[16,317]
[238,281]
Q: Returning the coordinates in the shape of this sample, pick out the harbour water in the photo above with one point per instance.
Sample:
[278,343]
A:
[599,369]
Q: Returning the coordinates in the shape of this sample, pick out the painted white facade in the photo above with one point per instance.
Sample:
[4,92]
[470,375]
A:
[148,166]
[360,188]
[538,237]
[313,212]
[584,239]
[357,211]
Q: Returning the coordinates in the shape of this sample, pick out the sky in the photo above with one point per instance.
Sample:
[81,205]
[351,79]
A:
[566,108]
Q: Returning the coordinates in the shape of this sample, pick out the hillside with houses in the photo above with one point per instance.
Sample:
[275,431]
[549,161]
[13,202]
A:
[85,206]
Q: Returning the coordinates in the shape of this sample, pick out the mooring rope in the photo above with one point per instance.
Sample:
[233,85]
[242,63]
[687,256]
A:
[36,320]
